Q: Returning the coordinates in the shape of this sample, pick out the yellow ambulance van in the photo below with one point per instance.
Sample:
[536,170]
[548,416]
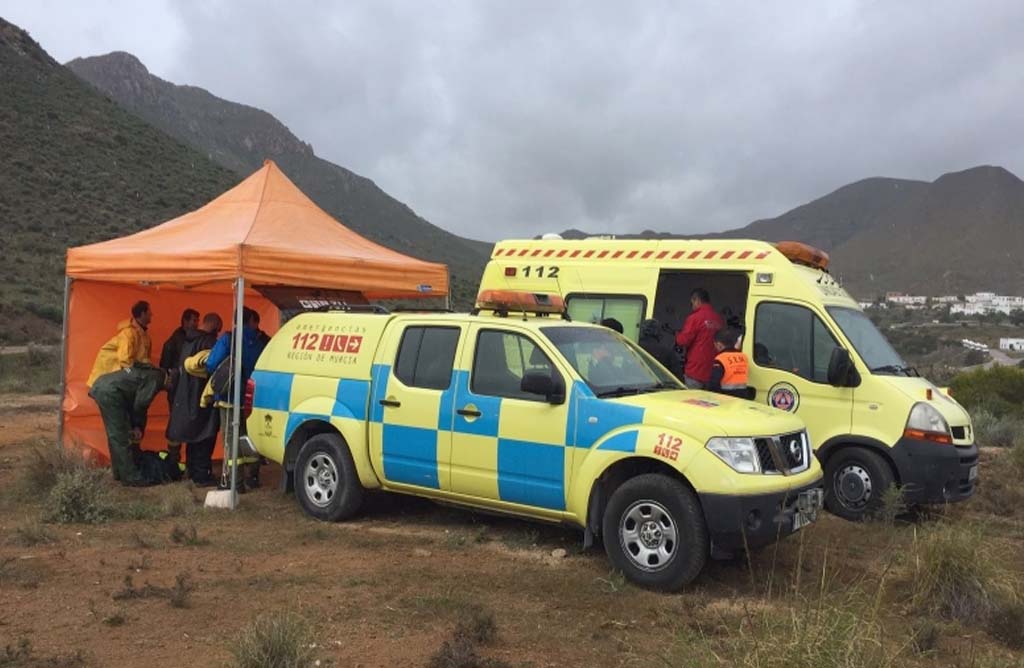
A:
[813,352]
[518,410]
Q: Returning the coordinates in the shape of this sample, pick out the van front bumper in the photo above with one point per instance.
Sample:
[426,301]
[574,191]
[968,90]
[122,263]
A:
[935,472]
[738,522]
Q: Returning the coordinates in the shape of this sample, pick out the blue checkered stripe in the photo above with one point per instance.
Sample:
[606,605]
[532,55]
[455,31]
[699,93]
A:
[528,472]
[274,391]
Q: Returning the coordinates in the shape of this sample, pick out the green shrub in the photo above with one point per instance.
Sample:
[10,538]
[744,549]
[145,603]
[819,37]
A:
[279,640]
[999,390]
[80,496]
[46,463]
[1000,432]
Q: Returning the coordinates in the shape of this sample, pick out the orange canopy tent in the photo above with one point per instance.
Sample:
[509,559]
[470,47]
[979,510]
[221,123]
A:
[262,233]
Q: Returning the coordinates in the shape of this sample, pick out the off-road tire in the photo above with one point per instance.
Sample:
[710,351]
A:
[324,451]
[853,461]
[666,499]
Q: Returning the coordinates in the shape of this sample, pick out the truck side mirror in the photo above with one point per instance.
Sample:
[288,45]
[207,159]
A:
[841,372]
[545,385]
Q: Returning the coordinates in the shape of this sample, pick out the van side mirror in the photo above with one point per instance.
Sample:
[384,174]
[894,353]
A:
[543,384]
[841,372]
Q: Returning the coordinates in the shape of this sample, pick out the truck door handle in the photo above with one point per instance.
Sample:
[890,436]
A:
[469,412]
[391,403]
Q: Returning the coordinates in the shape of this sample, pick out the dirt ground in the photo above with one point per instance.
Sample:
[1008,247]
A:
[388,588]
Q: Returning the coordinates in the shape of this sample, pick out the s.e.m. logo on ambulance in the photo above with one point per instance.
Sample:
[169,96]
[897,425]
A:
[327,343]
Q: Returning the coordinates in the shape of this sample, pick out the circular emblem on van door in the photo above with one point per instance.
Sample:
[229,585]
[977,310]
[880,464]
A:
[784,397]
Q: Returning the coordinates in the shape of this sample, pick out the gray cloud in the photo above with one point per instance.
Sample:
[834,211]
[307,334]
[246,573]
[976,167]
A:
[513,118]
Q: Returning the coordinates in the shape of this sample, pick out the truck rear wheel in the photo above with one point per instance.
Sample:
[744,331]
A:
[855,480]
[326,482]
[654,532]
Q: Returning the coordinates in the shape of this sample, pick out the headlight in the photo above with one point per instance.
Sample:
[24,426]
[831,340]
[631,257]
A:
[926,423]
[739,453]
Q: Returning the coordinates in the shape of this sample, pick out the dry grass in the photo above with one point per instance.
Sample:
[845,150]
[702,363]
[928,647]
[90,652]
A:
[476,627]
[187,536]
[33,533]
[277,640]
[21,655]
[177,595]
[956,575]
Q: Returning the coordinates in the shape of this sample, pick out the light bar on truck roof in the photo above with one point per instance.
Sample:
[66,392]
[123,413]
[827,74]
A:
[801,253]
[520,302]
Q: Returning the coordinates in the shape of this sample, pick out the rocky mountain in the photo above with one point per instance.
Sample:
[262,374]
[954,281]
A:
[963,232]
[74,169]
[240,137]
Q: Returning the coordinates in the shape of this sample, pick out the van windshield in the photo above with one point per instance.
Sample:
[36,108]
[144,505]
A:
[877,353]
[611,365]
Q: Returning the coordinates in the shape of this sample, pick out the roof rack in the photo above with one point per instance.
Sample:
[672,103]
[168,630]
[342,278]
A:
[417,309]
[351,308]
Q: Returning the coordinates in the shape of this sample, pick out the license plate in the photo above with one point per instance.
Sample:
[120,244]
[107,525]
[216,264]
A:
[807,505]
[973,473]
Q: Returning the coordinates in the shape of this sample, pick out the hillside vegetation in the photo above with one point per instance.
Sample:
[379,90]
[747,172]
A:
[240,137]
[76,169]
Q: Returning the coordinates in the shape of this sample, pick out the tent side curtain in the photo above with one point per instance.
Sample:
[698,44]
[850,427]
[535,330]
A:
[95,309]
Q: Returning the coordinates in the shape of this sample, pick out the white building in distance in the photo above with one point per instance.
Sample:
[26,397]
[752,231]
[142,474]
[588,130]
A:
[1012,344]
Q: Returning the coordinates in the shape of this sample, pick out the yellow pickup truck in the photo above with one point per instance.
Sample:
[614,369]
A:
[517,410]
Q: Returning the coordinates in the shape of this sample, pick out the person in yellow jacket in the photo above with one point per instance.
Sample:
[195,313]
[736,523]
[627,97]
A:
[730,367]
[131,345]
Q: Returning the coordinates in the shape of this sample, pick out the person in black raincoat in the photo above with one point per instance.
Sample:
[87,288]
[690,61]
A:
[190,423]
[658,342]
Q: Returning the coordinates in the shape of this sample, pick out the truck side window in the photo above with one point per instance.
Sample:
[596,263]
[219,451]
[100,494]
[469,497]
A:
[501,361]
[629,311]
[426,356]
[794,339]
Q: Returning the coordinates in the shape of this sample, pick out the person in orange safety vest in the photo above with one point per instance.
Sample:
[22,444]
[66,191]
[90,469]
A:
[729,369]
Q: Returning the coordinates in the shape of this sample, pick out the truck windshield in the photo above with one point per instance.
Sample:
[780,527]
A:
[877,353]
[611,365]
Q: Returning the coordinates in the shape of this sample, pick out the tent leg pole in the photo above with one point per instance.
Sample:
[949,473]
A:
[236,386]
[448,293]
[63,363]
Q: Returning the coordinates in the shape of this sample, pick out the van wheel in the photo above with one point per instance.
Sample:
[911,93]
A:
[326,482]
[855,480]
[654,532]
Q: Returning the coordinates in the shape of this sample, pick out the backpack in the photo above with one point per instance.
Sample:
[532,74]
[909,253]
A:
[221,380]
[157,467]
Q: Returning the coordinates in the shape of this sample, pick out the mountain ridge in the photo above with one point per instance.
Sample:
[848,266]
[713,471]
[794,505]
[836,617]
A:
[961,233]
[240,137]
[76,169]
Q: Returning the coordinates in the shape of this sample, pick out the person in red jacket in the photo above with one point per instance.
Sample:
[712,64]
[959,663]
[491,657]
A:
[698,338]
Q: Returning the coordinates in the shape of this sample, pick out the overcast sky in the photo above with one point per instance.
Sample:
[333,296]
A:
[510,118]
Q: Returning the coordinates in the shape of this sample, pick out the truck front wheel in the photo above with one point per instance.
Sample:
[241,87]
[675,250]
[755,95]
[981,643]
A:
[326,482]
[654,532]
[855,480]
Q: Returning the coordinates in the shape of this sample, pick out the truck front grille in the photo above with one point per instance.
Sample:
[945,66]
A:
[792,451]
